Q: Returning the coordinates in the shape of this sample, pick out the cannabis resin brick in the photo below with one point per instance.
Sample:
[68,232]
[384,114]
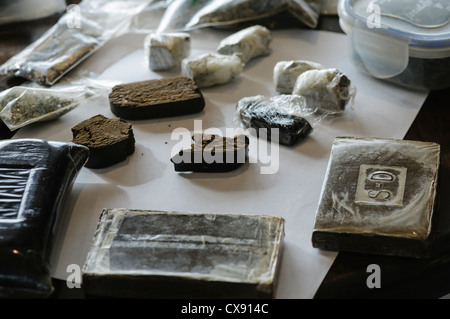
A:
[378,197]
[152,254]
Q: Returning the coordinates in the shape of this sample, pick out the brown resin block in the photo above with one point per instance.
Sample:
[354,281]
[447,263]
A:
[153,254]
[110,141]
[212,153]
[378,197]
[156,98]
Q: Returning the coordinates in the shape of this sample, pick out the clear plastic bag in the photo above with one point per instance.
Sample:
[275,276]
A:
[189,15]
[77,35]
[23,105]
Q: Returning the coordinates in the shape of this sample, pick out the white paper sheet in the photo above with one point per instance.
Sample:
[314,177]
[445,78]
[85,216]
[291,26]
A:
[147,179]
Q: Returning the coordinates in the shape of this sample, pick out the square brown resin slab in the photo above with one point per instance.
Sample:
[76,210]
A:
[378,197]
[153,254]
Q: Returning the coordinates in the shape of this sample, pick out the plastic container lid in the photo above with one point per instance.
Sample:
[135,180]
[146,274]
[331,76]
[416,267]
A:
[385,33]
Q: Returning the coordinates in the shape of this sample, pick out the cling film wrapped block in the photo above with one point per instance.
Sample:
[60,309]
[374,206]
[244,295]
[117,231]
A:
[35,178]
[165,51]
[210,69]
[284,113]
[329,90]
[378,197]
[248,43]
[141,254]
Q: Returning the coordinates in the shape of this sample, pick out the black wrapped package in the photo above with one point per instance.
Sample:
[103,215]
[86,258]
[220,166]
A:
[379,197]
[282,114]
[35,177]
[151,254]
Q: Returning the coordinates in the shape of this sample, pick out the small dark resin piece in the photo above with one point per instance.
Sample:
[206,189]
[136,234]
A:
[212,153]
[378,197]
[35,177]
[110,141]
[152,254]
[156,98]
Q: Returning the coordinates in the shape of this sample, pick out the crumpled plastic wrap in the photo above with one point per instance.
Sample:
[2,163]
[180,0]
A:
[189,15]
[76,36]
[24,105]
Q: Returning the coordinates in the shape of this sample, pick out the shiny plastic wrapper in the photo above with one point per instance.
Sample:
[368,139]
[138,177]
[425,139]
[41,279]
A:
[140,254]
[378,197]
[189,15]
[35,177]
[23,105]
[76,36]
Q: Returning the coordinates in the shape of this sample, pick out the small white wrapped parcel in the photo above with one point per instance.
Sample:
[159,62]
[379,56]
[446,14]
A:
[285,73]
[211,69]
[164,51]
[248,43]
[327,90]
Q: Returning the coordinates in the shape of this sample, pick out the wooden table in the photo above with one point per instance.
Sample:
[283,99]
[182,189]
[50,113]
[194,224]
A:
[400,277]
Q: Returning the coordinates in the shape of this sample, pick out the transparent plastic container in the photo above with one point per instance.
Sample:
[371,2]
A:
[406,42]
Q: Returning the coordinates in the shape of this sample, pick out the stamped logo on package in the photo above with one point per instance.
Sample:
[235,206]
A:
[381,185]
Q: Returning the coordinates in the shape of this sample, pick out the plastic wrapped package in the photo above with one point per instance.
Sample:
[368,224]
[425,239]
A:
[188,15]
[327,90]
[379,197]
[35,177]
[211,69]
[75,37]
[283,112]
[164,51]
[247,44]
[154,254]
[285,73]
[24,105]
